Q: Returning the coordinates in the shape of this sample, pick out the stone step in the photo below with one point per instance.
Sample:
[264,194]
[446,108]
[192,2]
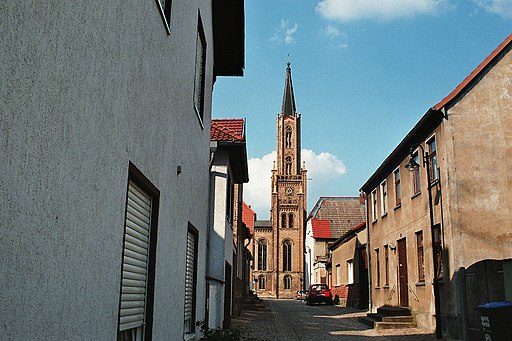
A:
[403,319]
[393,311]
[370,322]
[394,325]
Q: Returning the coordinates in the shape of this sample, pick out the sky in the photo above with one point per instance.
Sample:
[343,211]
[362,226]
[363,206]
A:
[364,72]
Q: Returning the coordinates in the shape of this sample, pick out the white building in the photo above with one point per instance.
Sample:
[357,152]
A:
[104,140]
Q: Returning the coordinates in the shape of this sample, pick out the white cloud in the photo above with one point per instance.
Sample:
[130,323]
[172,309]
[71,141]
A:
[500,7]
[349,10]
[284,33]
[323,171]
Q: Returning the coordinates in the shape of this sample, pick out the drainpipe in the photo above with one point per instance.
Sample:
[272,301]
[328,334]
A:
[368,252]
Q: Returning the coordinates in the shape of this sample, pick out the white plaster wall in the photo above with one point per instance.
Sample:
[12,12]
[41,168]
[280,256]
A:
[87,87]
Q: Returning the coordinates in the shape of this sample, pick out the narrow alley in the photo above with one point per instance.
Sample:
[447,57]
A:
[292,320]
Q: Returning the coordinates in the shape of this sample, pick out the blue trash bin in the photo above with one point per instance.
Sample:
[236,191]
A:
[496,320]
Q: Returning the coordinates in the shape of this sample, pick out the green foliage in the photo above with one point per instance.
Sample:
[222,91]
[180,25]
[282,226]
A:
[232,334]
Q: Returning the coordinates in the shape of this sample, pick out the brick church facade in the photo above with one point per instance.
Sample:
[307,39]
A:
[279,243]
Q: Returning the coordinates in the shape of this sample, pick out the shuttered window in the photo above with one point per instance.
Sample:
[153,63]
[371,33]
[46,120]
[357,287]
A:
[135,258]
[190,279]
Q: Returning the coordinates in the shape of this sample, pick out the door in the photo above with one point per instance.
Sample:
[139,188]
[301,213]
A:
[402,273]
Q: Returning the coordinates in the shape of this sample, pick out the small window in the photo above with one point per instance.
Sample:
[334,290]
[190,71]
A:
[384,198]
[261,282]
[432,159]
[283,220]
[199,77]
[350,272]
[374,205]
[287,282]
[165,10]
[287,255]
[420,256]
[398,193]
[416,184]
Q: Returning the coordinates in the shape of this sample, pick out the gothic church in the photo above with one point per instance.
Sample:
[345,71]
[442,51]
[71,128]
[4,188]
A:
[279,243]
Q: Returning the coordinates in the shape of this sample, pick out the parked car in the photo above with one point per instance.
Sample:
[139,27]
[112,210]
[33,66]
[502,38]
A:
[318,293]
[301,295]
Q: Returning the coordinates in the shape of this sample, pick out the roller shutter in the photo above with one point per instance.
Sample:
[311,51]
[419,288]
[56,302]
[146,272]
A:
[135,258]
[189,281]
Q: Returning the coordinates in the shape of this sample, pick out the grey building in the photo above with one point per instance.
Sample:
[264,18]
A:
[104,156]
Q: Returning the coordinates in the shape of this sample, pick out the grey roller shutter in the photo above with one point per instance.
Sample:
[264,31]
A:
[189,279]
[135,258]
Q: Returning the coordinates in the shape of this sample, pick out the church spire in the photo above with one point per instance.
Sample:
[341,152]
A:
[288,98]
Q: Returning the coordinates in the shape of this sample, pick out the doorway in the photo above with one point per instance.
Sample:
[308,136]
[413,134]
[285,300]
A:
[402,273]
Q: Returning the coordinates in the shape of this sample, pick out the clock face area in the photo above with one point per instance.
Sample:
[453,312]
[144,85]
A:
[289,191]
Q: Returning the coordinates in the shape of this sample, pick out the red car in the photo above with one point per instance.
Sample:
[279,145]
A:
[318,293]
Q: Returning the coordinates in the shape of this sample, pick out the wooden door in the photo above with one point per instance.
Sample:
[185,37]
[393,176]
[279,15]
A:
[402,273]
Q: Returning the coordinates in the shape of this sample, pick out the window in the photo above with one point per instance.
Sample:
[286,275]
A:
[386,265]
[438,251]
[288,137]
[416,185]
[283,220]
[165,10]
[338,274]
[377,260]
[287,282]
[262,255]
[287,255]
[290,220]
[261,282]
[398,193]
[138,258]
[420,256]
[199,78]
[432,159]
[374,205]
[384,198]
[288,165]
[190,280]
[350,272]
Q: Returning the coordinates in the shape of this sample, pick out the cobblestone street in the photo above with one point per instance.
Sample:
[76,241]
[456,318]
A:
[285,320]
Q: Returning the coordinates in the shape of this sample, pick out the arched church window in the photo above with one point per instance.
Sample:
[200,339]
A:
[288,165]
[288,137]
[283,220]
[287,282]
[290,220]
[262,255]
[287,255]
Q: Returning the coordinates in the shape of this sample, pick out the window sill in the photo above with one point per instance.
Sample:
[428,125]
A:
[384,215]
[397,207]
[377,287]
[420,284]
[386,287]
[189,337]
[416,194]
[373,222]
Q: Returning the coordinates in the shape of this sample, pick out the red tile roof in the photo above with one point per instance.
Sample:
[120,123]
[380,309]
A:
[248,217]
[321,228]
[473,74]
[228,130]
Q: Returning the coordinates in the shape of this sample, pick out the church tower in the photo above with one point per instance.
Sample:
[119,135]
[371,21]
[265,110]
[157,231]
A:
[288,209]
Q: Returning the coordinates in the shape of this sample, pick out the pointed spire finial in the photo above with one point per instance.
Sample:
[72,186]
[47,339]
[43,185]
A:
[288,107]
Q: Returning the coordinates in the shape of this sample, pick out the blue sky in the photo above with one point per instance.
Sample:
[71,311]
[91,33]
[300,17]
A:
[364,72]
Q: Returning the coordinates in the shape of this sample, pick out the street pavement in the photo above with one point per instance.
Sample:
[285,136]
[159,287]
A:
[292,320]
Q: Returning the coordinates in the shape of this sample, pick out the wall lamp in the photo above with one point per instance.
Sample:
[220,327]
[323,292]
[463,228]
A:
[412,165]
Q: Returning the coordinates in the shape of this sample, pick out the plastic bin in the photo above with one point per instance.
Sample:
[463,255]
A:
[496,321]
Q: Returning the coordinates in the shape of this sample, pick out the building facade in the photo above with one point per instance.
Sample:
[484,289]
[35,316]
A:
[105,130]
[434,222]
[280,248]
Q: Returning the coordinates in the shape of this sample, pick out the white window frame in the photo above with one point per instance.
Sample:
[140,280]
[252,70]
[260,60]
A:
[374,205]
[190,281]
[350,271]
[384,198]
[432,158]
[165,10]
[397,181]
[338,274]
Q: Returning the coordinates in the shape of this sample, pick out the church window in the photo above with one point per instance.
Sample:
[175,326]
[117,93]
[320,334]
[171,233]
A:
[262,255]
[288,165]
[287,282]
[283,220]
[290,220]
[287,255]
[288,137]
[261,282]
